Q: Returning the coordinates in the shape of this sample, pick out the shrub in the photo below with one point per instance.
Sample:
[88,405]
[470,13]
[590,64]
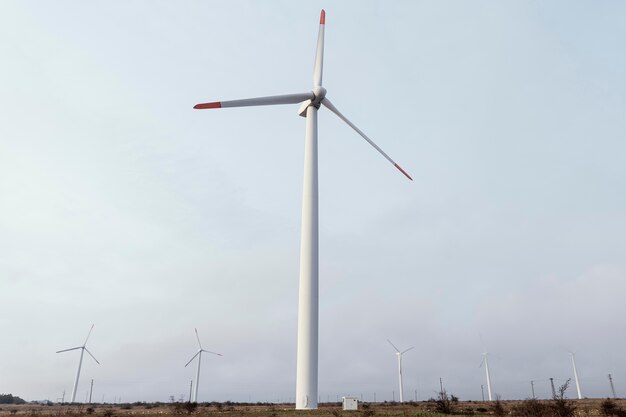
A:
[443,403]
[498,408]
[609,408]
[190,407]
[561,406]
[530,407]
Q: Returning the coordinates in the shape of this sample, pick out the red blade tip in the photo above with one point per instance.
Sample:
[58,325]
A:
[214,105]
[323,17]
[403,171]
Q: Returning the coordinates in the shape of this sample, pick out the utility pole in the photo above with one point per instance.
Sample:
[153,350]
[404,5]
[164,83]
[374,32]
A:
[393,396]
[374,396]
[441,384]
[190,388]
[63,399]
[482,391]
[90,391]
[552,385]
[612,387]
[532,388]
[415,395]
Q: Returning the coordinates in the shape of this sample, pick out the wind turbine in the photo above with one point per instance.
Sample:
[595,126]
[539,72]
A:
[199,355]
[572,355]
[399,356]
[308,302]
[80,361]
[486,362]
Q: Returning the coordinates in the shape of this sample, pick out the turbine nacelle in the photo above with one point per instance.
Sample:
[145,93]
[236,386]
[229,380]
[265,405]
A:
[319,92]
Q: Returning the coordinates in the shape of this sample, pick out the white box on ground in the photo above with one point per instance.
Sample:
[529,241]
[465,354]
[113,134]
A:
[350,403]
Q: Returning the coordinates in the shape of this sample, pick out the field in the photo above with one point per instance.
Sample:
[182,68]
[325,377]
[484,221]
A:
[587,407]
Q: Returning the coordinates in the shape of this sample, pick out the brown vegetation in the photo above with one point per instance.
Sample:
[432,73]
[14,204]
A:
[526,408]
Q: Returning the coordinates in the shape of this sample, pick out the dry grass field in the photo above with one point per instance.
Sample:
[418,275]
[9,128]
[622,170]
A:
[587,407]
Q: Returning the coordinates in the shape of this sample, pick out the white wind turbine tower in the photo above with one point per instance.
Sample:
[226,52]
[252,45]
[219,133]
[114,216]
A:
[80,361]
[308,303]
[399,355]
[199,355]
[572,355]
[486,362]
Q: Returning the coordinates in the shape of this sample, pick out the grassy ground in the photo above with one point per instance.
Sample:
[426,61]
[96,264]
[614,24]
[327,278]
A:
[421,409]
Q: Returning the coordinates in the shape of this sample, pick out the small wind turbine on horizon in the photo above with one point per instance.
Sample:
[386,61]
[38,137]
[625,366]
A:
[82,348]
[572,355]
[399,356]
[308,301]
[199,355]
[486,362]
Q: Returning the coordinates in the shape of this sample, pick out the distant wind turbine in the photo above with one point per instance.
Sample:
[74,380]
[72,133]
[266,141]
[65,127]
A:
[572,355]
[399,356]
[308,302]
[199,355]
[486,362]
[80,361]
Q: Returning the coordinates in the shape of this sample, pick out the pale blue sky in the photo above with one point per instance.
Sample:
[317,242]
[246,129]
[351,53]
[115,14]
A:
[120,205]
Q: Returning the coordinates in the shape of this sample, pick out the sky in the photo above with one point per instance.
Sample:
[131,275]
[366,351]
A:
[123,207]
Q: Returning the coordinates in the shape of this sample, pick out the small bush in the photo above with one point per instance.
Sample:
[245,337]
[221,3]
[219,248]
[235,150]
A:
[89,410]
[190,407]
[561,406]
[610,408]
[443,403]
[530,407]
[498,407]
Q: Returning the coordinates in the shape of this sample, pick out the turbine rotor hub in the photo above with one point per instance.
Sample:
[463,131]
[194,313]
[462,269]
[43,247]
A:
[319,92]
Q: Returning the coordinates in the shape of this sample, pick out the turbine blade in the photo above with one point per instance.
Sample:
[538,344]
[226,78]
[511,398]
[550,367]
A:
[67,350]
[405,351]
[198,338]
[192,358]
[394,346]
[88,334]
[214,353]
[257,101]
[319,53]
[332,108]
[94,358]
